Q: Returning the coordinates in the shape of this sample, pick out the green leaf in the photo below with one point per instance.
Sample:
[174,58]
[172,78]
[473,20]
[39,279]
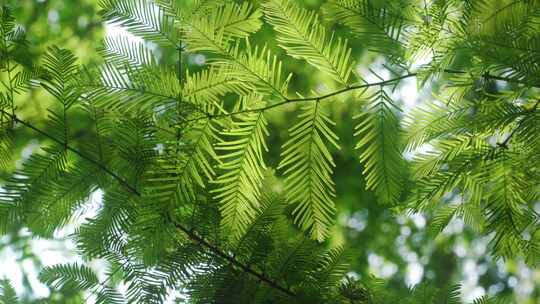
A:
[7,293]
[120,87]
[207,88]
[380,149]
[60,68]
[186,167]
[123,49]
[220,25]
[77,278]
[381,24]
[307,165]
[238,186]
[71,276]
[142,18]
[302,35]
[505,208]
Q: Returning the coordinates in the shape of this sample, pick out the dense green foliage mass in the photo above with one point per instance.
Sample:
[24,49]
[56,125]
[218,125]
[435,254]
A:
[221,137]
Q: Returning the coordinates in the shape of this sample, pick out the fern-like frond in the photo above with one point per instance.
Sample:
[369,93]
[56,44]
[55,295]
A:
[301,34]
[72,276]
[106,232]
[13,46]
[526,128]
[121,49]
[380,150]
[31,180]
[433,35]
[127,88]
[60,68]
[48,184]
[437,120]
[505,209]
[441,217]
[382,26]
[76,277]
[424,293]
[258,69]
[307,165]
[238,186]
[293,259]
[220,26]
[7,21]
[26,78]
[236,20]
[503,39]
[332,267]
[63,197]
[207,88]
[7,293]
[6,147]
[444,167]
[271,208]
[253,66]
[186,166]
[222,22]
[142,18]
[182,11]
[134,147]
[15,65]
[426,122]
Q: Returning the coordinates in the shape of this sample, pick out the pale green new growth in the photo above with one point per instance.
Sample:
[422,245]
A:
[378,142]
[238,186]
[308,164]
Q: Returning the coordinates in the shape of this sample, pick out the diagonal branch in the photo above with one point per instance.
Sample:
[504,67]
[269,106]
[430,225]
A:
[488,75]
[347,89]
[504,144]
[190,233]
[220,254]
[315,98]
[101,166]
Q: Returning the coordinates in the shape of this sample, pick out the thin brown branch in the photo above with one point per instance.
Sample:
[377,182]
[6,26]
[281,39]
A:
[315,98]
[344,90]
[504,144]
[101,166]
[190,233]
[218,253]
[488,75]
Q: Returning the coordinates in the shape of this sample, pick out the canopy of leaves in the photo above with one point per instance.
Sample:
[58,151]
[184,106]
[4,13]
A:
[236,144]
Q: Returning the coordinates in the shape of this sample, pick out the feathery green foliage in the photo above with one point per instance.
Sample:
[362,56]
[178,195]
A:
[192,198]
[378,132]
[302,35]
[7,293]
[308,171]
[242,164]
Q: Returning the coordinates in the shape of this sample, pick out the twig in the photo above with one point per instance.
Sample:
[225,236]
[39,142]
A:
[344,90]
[70,148]
[218,253]
[315,98]
[190,233]
[504,144]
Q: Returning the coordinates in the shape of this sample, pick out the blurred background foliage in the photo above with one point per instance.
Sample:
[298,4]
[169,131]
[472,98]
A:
[398,248]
